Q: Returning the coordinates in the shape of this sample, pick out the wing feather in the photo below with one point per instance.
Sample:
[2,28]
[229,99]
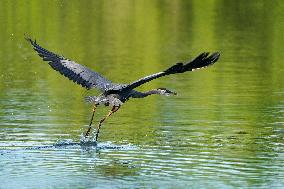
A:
[77,73]
[201,61]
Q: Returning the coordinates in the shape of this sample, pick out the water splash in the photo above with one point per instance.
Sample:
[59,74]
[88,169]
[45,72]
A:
[85,145]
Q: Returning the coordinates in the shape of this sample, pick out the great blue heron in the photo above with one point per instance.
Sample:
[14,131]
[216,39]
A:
[114,94]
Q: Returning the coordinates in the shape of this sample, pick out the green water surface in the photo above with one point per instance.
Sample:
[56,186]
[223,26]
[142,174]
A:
[224,129]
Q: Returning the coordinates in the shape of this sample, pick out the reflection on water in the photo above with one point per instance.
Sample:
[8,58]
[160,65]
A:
[224,129]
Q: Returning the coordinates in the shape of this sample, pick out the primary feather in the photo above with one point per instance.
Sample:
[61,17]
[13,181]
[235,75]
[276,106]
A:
[201,61]
[72,70]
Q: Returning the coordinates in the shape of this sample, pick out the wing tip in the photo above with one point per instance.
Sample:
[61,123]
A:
[203,60]
[215,56]
[205,55]
[29,39]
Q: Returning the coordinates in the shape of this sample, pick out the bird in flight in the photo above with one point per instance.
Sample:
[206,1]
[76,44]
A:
[114,94]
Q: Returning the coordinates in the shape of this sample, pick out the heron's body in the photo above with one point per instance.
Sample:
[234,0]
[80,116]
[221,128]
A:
[114,94]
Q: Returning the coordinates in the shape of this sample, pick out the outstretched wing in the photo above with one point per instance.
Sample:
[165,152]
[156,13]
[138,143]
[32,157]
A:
[201,61]
[70,69]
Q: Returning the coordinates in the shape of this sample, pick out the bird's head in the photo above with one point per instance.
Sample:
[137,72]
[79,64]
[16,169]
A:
[165,92]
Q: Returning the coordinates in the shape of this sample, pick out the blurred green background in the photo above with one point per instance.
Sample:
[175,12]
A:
[223,130]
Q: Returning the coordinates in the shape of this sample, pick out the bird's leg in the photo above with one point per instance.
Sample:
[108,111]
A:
[90,125]
[114,109]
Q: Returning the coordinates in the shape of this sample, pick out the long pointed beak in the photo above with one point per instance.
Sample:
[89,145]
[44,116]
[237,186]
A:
[171,93]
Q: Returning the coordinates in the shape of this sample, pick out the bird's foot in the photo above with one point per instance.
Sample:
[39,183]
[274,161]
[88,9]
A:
[85,138]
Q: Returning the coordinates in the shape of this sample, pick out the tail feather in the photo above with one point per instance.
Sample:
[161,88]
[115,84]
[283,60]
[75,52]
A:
[90,99]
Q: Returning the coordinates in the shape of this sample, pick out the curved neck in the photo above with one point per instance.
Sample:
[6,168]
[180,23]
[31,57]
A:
[144,94]
[153,91]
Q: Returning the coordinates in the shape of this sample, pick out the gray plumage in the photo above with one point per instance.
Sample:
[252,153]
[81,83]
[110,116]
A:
[122,92]
[72,70]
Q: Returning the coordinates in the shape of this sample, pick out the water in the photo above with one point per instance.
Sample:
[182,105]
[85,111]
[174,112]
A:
[224,129]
